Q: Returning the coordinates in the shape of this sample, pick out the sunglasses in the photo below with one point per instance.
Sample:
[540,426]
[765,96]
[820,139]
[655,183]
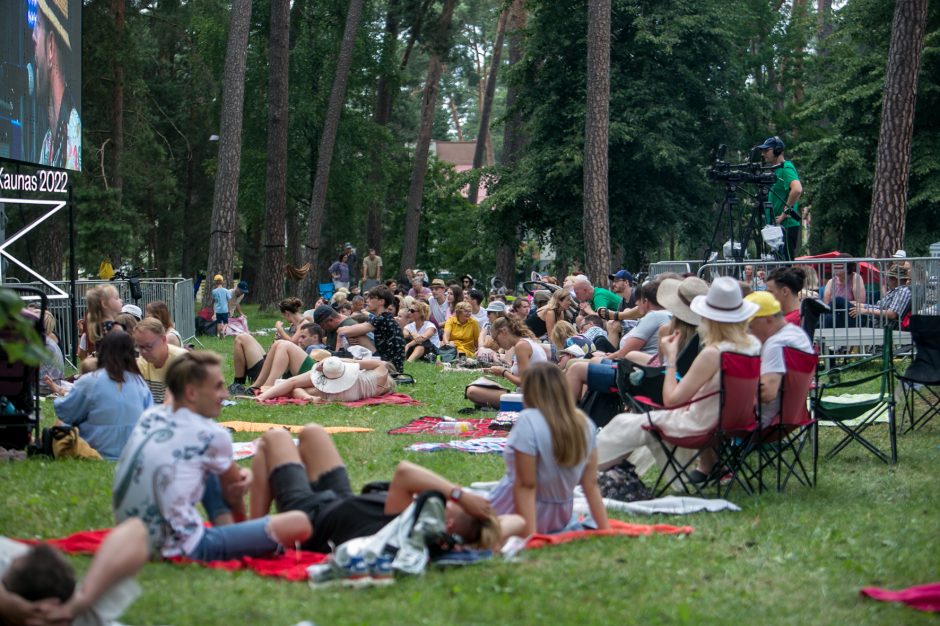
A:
[412,310]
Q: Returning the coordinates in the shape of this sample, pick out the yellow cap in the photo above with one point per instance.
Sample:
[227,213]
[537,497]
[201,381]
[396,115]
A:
[767,304]
[218,278]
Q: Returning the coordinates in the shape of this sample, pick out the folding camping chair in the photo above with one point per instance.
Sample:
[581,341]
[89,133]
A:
[732,436]
[854,414]
[921,380]
[781,442]
[647,381]
[19,386]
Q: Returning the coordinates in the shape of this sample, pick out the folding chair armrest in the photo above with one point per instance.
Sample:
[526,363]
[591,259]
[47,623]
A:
[835,371]
[852,383]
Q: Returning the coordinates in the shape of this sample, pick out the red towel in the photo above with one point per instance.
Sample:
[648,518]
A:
[616,528]
[389,398]
[922,597]
[292,565]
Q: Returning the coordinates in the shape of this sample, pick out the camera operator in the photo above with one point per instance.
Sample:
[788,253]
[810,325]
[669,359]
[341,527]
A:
[784,195]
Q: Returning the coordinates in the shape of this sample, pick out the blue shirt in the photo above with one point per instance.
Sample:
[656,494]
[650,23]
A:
[221,296]
[554,492]
[104,411]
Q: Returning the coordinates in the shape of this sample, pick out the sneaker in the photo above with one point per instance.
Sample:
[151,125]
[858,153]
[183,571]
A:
[238,389]
[356,573]
[322,575]
[381,572]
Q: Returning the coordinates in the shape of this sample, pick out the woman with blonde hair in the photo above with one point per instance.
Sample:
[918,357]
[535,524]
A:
[420,333]
[161,311]
[509,334]
[550,449]
[102,305]
[725,316]
[461,330]
[556,309]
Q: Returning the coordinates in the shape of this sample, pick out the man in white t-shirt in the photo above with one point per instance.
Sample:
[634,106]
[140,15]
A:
[440,310]
[162,473]
[775,333]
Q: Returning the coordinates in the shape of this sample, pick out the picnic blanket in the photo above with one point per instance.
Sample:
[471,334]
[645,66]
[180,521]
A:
[617,527]
[921,597]
[389,398]
[480,445]
[427,425]
[292,565]
[263,427]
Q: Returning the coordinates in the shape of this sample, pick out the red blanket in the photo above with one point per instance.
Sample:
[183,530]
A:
[616,528]
[427,425]
[292,565]
[922,597]
[389,398]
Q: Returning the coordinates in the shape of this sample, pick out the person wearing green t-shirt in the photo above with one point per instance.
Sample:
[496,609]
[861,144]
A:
[784,195]
[592,298]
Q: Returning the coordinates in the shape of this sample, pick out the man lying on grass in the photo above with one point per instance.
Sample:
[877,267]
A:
[336,380]
[162,473]
[311,477]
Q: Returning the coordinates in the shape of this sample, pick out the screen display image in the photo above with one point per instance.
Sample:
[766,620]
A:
[40,82]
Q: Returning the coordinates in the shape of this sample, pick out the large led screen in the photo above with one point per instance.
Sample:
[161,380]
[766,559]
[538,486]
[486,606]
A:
[40,82]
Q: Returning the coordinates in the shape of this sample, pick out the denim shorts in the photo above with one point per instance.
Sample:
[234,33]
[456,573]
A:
[212,499]
[223,543]
[602,377]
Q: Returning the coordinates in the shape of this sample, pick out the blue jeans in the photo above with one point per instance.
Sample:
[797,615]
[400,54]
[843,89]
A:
[212,499]
[223,543]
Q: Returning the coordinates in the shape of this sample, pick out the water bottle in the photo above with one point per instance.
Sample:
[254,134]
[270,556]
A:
[451,427]
[438,362]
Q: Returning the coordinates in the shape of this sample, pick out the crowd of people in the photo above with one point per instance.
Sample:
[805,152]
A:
[149,403]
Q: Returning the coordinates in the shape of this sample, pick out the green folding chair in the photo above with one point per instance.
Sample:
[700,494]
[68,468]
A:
[854,413]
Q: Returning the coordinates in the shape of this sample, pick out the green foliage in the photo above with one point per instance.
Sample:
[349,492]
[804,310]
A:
[21,342]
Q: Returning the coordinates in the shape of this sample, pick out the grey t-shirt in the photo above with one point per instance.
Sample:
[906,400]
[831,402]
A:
[648,330]
[771,361]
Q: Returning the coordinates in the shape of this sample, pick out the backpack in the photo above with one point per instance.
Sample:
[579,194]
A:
[621,482]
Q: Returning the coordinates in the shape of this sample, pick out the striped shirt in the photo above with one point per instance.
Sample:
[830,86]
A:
[154,376]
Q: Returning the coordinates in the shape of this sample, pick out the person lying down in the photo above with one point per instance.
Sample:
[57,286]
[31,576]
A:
[336,380]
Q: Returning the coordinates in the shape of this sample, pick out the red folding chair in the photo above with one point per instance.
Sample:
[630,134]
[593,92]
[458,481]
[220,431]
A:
[781,442]
[731,438]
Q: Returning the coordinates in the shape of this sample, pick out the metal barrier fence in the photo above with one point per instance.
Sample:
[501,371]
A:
[861,280]
[176,292]
[679,267]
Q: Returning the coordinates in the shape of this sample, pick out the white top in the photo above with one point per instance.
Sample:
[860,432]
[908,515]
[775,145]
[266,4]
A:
[439,312]
[538,355]
[412,328]
[161,475]
[481,317]
[771,362]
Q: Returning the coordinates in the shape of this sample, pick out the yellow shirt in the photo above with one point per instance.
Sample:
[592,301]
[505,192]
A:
[156,377]
[464,336]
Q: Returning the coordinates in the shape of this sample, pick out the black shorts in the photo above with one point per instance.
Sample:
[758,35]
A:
[293,492]
[427,345]
[254,371]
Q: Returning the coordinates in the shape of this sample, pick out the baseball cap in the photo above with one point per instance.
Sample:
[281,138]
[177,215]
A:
[218,278]
[767,304]
[622,275]
[134,310]
[243,286]
[900,254]
[323,313]
[772,142]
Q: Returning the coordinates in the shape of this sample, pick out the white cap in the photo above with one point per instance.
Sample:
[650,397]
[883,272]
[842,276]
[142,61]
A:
[900,254]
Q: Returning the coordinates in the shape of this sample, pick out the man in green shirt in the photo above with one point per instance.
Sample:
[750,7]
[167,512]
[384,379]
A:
[784,195]
[592,298]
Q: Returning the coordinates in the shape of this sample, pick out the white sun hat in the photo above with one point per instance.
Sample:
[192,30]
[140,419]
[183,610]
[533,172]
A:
[334,375]
[724,303]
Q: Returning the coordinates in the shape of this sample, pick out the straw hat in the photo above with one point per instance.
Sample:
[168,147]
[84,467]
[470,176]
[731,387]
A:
[724,302]
[334,375]
[898,271]
[676,295]
[57,14]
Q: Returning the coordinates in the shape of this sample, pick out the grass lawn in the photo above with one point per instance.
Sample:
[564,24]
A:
[795,558]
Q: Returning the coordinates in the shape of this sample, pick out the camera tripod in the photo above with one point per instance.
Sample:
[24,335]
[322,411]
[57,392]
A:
[729,216]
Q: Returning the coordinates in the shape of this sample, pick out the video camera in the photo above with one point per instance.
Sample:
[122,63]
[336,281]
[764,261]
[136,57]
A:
[750,172]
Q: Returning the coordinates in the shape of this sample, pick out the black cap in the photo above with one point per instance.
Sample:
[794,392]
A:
[323,313]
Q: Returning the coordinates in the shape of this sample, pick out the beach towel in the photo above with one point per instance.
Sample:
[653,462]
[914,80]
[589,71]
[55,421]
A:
[263,427]
[481,445]
[389,398]
[292,565]
[427,425]
[617,527]
[921,597]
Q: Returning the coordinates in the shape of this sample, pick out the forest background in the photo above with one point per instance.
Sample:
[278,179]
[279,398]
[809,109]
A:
[684,76]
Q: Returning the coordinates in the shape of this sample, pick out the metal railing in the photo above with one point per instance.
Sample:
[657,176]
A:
[176,292]
[839,332]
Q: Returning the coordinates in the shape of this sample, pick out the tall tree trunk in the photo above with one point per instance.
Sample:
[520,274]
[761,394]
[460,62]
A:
[117,100]
[308,287]
[225,198]
[479,151]
[271,286]
[506,265]
[409,250]
[893,161]
[383,112]
[823,26]
[455,117]
[596,124]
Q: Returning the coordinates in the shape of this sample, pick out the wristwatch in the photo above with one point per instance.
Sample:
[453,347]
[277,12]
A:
[456,493]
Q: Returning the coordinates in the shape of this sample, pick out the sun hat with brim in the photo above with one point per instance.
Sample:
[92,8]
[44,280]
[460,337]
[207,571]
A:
[723,302]
[437,282]
[676,295]
[334,375]
[541,296]
[575,351]
[57,13]
[496,306]
[898,271]
[767,304]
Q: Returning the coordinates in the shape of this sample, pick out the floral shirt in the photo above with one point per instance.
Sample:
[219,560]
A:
[161,475]
[389,341]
